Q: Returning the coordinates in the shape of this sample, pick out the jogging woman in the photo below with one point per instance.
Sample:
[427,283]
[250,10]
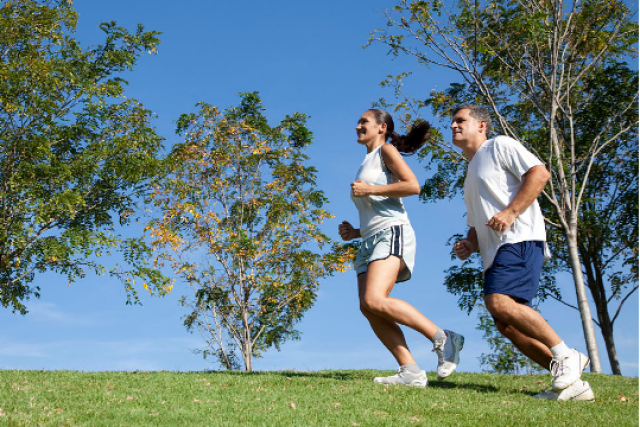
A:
[387,251]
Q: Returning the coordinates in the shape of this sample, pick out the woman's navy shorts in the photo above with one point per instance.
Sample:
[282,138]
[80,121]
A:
[516,271]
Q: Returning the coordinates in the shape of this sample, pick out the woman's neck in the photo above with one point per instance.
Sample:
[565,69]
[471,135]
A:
[374,144]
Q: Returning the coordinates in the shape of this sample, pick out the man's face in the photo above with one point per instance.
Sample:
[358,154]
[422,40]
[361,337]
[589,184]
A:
[466,129]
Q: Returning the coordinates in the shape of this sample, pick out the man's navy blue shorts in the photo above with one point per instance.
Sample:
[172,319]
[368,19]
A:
[516,271]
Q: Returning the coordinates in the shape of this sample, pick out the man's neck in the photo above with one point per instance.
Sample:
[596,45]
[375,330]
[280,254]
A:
[473,148]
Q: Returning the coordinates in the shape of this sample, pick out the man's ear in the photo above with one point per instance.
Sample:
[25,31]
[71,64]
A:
[483,126]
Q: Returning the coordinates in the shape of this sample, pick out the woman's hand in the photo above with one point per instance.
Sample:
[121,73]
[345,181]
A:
[347,232]
[360,188]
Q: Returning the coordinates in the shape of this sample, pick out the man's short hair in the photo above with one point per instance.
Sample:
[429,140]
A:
[477,112]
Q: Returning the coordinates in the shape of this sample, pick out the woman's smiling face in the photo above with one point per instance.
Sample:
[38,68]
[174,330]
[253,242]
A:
[368,129]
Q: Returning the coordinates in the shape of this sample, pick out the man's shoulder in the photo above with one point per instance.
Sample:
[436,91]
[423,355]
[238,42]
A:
[497,145]
[504,141]
[507,145]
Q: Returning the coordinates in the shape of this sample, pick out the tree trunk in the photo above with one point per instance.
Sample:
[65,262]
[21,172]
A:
[583,303]
[596,286]
[607,334]
[247,345]
[247,356]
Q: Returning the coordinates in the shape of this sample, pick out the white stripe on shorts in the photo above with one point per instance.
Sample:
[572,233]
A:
[397,243]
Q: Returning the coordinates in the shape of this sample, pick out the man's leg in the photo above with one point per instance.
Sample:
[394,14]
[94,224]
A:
[566,365]
[530,347]
[521,317]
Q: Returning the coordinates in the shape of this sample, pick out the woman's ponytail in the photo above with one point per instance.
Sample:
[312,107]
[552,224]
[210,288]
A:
[406,144]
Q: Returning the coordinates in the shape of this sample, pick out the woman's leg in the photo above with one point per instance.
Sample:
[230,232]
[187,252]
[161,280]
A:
[387,331]
[384,313]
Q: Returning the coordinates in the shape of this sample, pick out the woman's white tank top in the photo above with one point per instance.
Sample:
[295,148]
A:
[377,212]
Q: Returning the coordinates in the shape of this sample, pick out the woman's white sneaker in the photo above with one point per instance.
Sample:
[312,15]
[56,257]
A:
[405,377]
[449,354]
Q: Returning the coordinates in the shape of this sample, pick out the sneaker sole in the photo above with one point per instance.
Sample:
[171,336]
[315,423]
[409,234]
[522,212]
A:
[411,384]
[585,396]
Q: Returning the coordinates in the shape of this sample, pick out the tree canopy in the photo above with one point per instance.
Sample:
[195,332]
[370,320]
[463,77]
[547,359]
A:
[75,153]
[238,219]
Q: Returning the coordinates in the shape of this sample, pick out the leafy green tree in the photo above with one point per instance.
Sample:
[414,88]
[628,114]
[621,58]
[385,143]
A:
[75,154]
[543,68]
[239,220]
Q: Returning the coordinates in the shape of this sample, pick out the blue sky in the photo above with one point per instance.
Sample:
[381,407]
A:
[300,56]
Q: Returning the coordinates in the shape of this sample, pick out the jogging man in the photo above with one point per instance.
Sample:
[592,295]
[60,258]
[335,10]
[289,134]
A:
[506,225]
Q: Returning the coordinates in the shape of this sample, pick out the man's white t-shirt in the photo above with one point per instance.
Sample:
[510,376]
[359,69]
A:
[493,179]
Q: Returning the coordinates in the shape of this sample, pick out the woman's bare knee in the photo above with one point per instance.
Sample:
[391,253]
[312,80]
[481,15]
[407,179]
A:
[365,312]
[374,305]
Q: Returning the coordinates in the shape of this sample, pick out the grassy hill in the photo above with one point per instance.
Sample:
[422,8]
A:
[323,398]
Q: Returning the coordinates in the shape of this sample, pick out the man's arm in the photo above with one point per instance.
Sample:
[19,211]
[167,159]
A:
[532,184]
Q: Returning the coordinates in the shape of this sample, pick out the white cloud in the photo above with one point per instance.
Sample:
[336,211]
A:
[48,312]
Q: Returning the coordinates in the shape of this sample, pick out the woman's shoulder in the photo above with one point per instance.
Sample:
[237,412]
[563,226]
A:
[389,150]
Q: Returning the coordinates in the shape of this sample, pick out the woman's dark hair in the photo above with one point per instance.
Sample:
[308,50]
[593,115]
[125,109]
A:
[406,144]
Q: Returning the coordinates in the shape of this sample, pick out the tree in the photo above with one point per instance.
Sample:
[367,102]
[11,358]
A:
[238,220]
[608,231]
[534,63]
[75,154]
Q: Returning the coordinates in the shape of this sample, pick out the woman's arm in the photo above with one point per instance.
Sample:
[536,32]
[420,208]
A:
[406,186]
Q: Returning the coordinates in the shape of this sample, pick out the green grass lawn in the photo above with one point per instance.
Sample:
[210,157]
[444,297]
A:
[324,398]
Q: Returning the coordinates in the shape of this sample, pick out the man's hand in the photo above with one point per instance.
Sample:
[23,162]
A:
[533,181]
[501,221]
[463,249]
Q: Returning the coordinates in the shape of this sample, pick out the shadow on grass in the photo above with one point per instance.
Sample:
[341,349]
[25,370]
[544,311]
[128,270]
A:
[337,375]
[366,375]
[480,388]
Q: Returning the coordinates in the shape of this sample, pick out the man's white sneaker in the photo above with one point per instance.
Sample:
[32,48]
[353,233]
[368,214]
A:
[448,354]
[579,390]
[405,377]
[567,370]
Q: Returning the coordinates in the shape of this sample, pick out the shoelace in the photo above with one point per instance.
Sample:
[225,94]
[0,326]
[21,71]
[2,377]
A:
[557,367]
[439,350]
[438,347]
